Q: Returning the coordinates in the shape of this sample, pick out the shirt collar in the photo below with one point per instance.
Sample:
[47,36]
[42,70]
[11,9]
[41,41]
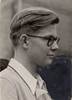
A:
[24,73]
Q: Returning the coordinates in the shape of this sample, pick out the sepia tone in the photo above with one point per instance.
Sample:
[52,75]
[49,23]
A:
[63,8]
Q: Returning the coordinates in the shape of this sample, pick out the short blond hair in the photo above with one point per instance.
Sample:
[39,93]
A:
[30,20]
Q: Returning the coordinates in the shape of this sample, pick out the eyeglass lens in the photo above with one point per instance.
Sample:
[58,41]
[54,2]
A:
[52,39]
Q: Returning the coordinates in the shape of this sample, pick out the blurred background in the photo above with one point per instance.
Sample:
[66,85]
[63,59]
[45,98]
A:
[58,78]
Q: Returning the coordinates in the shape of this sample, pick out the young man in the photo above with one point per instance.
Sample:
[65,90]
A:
[34,38]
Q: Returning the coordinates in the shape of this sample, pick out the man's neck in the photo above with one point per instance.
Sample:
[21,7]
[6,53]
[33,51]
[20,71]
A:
[23,59]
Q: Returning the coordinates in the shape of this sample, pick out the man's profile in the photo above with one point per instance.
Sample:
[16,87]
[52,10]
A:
[35,41]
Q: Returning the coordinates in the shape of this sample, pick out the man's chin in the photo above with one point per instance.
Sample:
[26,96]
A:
[49,61]
[46,63]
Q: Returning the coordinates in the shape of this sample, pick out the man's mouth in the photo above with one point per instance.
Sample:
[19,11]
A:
[51,55]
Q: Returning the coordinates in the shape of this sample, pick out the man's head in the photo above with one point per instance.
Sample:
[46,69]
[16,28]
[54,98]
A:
[34,30]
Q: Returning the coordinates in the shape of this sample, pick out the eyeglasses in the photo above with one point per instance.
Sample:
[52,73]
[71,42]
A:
[50,39]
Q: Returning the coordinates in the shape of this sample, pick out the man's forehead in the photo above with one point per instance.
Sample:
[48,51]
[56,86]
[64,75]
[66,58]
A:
[50,28]
[48,31]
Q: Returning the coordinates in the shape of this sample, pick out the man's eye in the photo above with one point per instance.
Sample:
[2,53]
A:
[51,39]
[50,42]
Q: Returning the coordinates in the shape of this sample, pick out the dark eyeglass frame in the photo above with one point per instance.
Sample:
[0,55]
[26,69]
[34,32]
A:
[51,39]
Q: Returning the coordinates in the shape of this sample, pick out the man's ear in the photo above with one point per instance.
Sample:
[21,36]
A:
[24,40]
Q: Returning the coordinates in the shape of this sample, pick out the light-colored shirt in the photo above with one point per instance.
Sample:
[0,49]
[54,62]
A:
[17,83]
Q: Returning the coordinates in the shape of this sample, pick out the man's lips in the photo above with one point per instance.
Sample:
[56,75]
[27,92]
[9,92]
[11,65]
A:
[51,55]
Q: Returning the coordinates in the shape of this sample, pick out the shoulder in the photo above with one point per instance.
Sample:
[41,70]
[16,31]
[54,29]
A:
[8,75]
[8,84]
[11,77]
[8,89]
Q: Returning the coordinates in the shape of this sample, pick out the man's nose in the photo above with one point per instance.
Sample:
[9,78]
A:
[55,46]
